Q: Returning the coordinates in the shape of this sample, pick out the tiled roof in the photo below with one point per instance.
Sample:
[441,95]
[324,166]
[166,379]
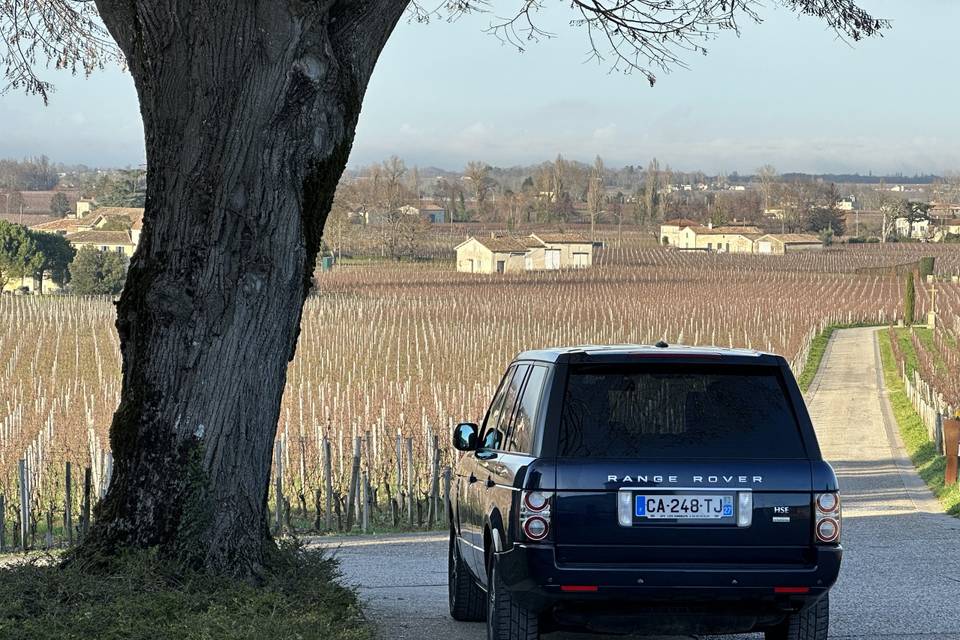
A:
[794,238]
[531,242]
[503,244]
[133,214]
[680,222]
[100,237]
[560,238]
[60,224]
[717,231]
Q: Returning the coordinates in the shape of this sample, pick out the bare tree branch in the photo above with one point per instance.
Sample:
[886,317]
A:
[64,34]
[646,36]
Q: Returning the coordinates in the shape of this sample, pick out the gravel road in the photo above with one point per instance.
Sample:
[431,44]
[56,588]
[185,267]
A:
[901,571]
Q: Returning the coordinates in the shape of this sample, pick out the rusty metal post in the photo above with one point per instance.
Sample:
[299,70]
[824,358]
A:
[951,442]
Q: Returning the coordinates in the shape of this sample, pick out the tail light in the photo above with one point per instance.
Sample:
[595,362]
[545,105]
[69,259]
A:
[535,514]
[829,520]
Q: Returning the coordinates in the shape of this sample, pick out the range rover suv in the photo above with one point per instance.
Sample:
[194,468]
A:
[644,489]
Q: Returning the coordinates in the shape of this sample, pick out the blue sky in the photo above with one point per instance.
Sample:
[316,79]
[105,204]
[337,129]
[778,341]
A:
[786,92]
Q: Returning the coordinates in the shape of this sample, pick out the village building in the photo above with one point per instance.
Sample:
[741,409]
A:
[491,255]
[670,230]
[782,243]
[565,250]
[109,229]
[430,212]
[911,229]
[846,204]
[944,211]
[732,239]
[538,251]
[108,241]
[535,259]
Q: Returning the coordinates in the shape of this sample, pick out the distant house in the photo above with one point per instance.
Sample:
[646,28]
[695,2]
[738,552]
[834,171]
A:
[781,243]
[117,218]
[565,250]
[845,204]
[535,259]
[732,239]
[538,251]
[944,211]
[491,255]
[109,241]
[62,226]
[952,227]
[907,229]
[670,230]
[432,213]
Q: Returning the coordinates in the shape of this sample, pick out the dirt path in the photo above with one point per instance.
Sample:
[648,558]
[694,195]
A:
[901,572]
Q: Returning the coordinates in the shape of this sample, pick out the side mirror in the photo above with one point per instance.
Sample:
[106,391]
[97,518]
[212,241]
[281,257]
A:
[465,436]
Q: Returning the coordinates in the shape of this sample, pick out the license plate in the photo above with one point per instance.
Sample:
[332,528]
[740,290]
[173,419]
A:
[683,507]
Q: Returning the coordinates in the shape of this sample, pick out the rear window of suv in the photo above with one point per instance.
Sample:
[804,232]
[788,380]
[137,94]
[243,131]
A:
[678,411]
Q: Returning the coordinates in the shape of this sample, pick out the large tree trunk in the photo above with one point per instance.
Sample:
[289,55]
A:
[249,110]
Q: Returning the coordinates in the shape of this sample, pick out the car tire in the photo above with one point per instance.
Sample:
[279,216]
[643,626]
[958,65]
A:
[468,602]
[810,624]
[506,619]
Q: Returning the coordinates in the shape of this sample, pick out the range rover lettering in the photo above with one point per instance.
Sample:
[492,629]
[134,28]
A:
[644,489]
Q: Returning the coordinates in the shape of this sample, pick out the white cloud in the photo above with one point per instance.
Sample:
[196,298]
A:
[606,133]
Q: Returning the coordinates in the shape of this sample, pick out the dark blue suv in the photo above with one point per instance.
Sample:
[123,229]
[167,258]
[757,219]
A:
[635,489]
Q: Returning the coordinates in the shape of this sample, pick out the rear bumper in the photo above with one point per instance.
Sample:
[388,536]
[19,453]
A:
[737,594]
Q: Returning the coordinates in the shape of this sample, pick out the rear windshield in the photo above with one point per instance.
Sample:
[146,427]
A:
[678,411]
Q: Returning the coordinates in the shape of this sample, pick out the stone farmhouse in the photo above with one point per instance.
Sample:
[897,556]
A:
[670,230]
[536,252]
[781,243]
[689,235]
[112,229]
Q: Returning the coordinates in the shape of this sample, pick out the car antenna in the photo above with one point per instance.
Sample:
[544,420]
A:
[661,345]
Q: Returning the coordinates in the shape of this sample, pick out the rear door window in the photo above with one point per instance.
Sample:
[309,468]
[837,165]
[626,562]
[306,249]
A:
[678,411]
[521,435]
[496,405]
[502,408]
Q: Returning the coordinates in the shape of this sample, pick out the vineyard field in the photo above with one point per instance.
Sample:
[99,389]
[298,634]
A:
[407,349]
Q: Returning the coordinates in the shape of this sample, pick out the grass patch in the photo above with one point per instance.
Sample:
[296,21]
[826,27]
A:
[141,597]
[930,464]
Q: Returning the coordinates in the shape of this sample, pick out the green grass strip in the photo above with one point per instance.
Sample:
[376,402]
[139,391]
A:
[930,465]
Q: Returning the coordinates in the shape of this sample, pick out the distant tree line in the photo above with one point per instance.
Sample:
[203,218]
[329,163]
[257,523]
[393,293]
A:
[32,174]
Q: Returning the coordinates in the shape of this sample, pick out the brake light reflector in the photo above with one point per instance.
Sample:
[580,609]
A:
[791,589]
[579,588]
[828,524]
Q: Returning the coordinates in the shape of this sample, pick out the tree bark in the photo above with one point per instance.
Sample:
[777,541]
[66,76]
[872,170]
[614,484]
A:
[249,111]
